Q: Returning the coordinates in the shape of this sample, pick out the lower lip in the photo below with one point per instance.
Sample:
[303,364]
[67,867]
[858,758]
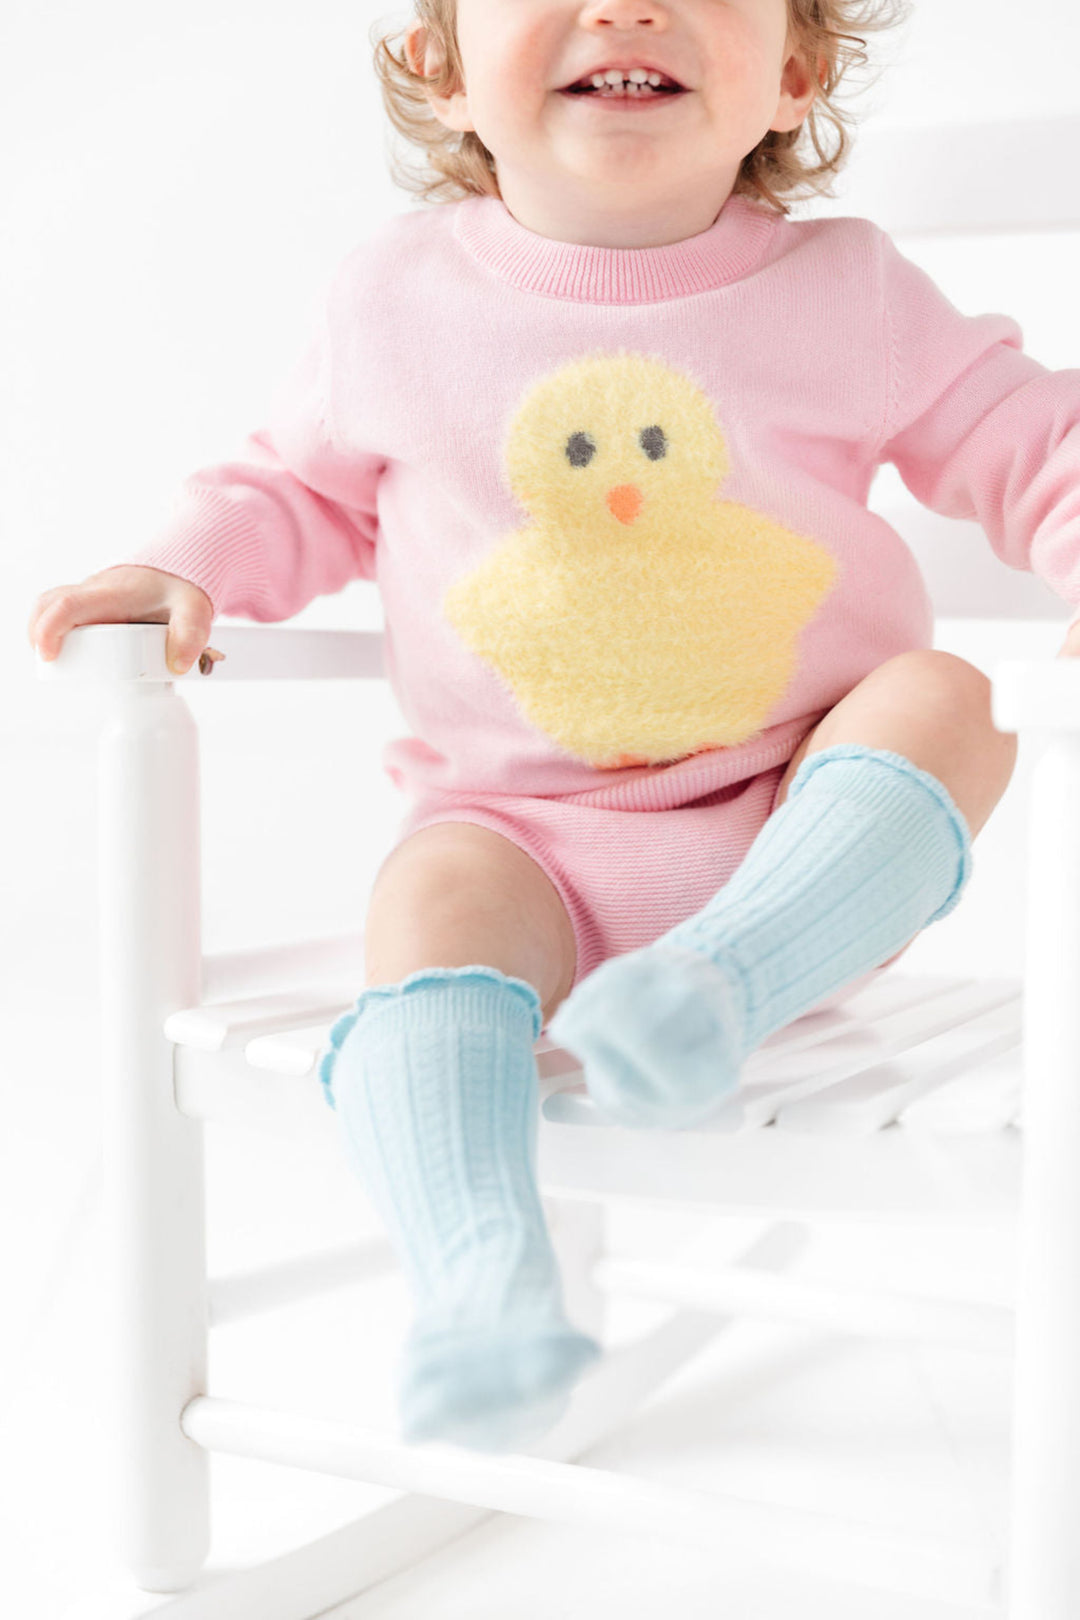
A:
[624,103]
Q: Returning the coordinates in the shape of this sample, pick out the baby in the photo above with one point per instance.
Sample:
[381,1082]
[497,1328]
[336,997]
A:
[601,426]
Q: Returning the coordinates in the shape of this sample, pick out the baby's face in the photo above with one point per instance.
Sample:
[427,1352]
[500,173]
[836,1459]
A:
[635,169]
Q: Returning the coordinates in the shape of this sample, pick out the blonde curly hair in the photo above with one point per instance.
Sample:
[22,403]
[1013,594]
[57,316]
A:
[456,165]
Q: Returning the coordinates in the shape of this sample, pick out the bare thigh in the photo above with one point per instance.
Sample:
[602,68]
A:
[457,893]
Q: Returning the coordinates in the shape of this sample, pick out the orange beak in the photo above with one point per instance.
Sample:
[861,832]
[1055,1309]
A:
[624,502]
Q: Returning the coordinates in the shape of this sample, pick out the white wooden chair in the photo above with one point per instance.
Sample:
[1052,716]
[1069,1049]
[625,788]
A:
[841,1113]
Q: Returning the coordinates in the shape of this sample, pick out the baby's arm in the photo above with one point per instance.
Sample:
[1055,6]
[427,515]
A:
[980,430]
[291,518]
[285,522]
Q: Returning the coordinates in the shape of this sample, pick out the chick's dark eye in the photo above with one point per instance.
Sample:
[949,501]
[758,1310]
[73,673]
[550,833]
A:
[580,449]
[653,441]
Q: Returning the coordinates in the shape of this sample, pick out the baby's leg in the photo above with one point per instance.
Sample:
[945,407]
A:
[871,845]
[467,944]
[456,893]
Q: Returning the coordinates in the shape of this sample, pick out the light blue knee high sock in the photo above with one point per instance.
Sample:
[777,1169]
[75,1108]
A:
[865,851]
[436,1084]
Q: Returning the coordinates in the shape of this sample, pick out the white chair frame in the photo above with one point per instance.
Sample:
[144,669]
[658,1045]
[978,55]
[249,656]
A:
[190,1037]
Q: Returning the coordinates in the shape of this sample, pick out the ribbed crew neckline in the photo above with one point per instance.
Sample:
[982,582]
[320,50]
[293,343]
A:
[582,273]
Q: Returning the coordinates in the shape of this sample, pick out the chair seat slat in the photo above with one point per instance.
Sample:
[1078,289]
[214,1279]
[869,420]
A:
[231,1023]
[757,1102]
[283,1030]
[866,1089]
[296,1051]
[259,969]
[883,996]
[983,1098]
[872,1099]
[846,1070]
[290,1051]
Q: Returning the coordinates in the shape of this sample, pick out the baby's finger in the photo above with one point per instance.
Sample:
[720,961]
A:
[111,597]
[50,626]
[47,603]
[75,605]
[188,635]
[39,607]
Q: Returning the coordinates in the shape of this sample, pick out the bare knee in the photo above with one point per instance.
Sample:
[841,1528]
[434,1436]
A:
[939,684]
[942,704]
[456,893]
[934,708]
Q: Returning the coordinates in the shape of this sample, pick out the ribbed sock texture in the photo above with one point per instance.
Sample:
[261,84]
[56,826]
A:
[435,1081]
[866,850]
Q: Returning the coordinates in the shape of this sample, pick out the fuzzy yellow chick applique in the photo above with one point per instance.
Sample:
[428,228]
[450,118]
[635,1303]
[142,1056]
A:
[637,618]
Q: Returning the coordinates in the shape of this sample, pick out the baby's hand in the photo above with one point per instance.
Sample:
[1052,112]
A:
[124,594]
[1070,647]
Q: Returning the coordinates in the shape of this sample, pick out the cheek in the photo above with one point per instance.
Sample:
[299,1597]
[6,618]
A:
[494,114]
[742,59]
[521,58]
[506,100]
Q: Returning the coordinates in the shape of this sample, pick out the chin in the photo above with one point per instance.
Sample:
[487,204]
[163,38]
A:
[621,168]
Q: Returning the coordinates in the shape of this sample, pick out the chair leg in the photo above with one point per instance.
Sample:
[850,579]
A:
[150,966]
[577,1228]
[1044,1571]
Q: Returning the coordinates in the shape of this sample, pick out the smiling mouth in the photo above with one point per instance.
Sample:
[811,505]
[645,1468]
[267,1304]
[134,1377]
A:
[624,92]
[639,82]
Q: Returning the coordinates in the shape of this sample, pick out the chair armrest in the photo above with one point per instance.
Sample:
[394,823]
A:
[136,652]
[1041,694]
[1036,695]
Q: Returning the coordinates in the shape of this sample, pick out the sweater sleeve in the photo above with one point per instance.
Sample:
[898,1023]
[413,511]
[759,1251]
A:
[979,430]
[291,518]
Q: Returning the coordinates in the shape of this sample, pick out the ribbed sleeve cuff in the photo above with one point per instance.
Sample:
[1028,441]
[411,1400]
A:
[215,546]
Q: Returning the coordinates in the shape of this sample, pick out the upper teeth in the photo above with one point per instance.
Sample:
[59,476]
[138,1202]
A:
[635,76]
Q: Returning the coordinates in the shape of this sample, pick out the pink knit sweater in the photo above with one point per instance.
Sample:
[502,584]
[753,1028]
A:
[615,499]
